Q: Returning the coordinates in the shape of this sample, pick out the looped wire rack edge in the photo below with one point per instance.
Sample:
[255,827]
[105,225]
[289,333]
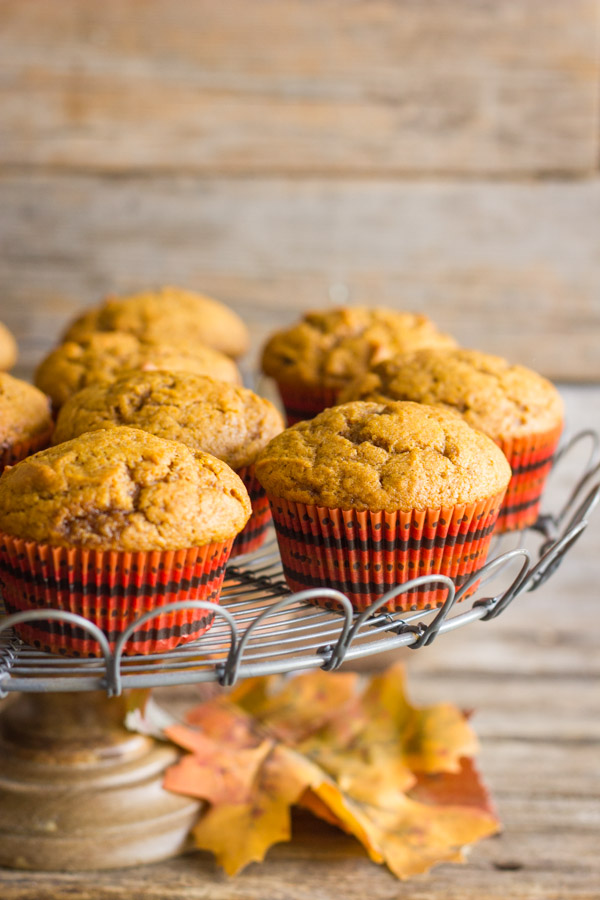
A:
[261,628]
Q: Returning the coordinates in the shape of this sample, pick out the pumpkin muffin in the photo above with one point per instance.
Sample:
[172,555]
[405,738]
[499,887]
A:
[111,525]
[516,407]
[101,356]
[168,314]
[368,495]
[8,349]
[25,421]
[315,359]
[228,421]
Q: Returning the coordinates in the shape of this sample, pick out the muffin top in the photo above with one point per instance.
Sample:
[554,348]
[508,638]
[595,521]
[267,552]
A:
[24,411]
[231,422]
[331,347]
[383,456]
[500,399]
[122,489]
[102,356]
[168,314]
[8,349]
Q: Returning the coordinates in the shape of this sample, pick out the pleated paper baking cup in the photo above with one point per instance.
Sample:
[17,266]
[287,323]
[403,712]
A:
[253,535]
[18,450]
[111,588]
[305,402]
[530,459]
[364,554]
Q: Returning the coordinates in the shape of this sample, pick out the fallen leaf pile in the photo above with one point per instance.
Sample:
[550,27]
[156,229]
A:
[359,756]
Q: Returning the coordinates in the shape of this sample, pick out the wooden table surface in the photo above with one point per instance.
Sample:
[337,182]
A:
[532,677]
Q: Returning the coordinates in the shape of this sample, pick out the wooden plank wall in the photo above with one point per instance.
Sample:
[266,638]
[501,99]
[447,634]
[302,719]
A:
[439,156]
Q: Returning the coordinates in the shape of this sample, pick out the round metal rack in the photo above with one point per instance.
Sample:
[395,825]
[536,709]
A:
[261,628]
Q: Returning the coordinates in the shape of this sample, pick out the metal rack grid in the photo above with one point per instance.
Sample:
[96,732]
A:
[261,628]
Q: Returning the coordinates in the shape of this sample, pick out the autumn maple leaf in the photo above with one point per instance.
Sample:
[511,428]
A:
[398,778]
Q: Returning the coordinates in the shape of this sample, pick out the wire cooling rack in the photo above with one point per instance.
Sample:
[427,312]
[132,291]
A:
[261,628]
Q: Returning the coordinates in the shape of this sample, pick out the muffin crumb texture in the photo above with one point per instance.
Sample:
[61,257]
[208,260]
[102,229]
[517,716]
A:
[167,314]
[101,357]
[24,411]
[491,394]
[8,349]
[383,456]
[226,420]
[122,489]
[332,346]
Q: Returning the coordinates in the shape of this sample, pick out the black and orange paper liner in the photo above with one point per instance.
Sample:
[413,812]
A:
[18,450]
[305,402]
[364,554]
[254,533]
[111,588]
[530,459]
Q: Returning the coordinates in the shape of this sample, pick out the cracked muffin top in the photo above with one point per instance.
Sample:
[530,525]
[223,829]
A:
[167,314]
[24,411]
[229,421]
[500,399]
[102,356]
[383,456]
[122,489]
[8,349]
[331,347]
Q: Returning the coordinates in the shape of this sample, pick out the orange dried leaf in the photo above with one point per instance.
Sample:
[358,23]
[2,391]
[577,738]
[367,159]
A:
[415,836]
[396,777]
[329,803]
[432,739]
[240,833]
[360,770]
[218,775]
[301,706]
[224,722]
[463,788]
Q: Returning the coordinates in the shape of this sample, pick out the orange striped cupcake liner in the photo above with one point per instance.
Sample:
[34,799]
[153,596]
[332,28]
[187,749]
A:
[18,450]
[305,403]
[111,588]
[530,459]
[364,554]
[255,532]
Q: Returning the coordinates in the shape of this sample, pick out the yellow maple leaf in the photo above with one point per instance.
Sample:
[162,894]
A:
[298,707]
[416,836]
[396,777]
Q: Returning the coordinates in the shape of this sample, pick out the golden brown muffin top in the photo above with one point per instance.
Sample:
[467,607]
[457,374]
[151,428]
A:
[102,356]
[122,489]
[500,399]
[229,421]
[331,347]
[8,349]
[167,314]
[24,411]
[383,456]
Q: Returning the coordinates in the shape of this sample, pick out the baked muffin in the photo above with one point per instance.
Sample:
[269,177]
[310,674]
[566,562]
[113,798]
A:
[167,314]
[101,356]
[25,421]
[315,359]
[516,407]
[111,525]
[8,349]
[368,495]
[231,422]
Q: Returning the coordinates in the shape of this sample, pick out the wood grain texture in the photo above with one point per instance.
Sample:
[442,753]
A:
[305,86]
[507,268]
[532,678]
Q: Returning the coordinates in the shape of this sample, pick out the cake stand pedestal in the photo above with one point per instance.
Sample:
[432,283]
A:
[79,791]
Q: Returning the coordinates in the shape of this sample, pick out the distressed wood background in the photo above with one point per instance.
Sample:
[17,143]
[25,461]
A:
[441,156]
[283,154]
